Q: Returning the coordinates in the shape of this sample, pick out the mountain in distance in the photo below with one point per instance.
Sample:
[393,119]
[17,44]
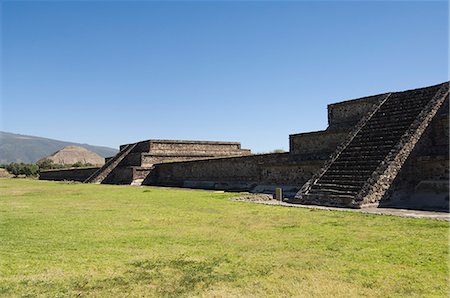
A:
[29,149]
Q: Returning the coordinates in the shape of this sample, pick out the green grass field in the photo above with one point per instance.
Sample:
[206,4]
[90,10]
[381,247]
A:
[70,240]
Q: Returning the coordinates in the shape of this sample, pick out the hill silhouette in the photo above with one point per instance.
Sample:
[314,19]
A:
[29,149]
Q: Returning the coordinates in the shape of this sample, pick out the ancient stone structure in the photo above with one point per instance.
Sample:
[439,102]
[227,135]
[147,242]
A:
[366,163]
[75,154]
[389,149]
[73,174]
[135,161]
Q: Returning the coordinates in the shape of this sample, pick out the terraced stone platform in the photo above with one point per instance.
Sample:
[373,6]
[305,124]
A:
[367,162]
[135,161]
[386,150]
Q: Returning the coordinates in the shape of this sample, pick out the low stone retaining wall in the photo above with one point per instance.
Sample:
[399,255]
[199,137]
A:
[256,173]
[73,174]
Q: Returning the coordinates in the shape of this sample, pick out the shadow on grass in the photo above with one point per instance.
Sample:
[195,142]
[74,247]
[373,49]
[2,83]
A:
[169,278]
[180,276]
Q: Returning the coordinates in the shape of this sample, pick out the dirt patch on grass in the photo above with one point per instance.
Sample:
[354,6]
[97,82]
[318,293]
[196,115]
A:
[254,198]
[4,174]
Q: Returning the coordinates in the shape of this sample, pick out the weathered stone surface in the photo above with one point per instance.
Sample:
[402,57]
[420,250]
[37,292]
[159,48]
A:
[256,173]
[346,114]
[380,149]
[253,198]
[112,164]
[363,168]
[422,182]
[74,174]
[135,161]
[320,143]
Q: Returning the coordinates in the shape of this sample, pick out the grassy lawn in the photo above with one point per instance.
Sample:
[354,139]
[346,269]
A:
[66,240]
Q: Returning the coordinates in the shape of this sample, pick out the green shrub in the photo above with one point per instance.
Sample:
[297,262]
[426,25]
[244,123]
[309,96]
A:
[29,170]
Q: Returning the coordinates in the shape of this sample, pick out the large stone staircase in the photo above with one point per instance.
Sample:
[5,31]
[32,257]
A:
[100,175]
[364,166]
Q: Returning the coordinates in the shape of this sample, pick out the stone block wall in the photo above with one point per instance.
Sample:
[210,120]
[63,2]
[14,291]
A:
[120,175]
[193,146]
[147,153]
[342,117]
[320,143]
[260,173]
[73,174]
[345,114]
[180,146]
[143,155]
[148,160]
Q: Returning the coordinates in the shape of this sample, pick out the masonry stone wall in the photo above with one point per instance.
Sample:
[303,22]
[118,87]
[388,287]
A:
[120,175]
[193,146]
[342,116]
[73,174]
[149,160]
[260,173]
[140,158]
[345,114]
[185,146]
[320,143]
[196,164]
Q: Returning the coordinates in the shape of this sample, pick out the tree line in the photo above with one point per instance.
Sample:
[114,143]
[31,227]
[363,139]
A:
[33,169]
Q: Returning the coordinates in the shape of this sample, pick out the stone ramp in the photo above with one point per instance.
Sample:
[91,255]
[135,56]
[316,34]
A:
[110,165]
[364,166]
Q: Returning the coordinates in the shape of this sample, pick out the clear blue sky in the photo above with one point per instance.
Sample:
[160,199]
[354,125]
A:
[108,73]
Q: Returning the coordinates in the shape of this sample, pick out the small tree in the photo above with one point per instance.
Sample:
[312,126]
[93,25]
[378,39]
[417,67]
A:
[45,164]
[29,170]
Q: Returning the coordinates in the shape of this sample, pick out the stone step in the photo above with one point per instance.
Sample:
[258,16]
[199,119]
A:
[368,168]
[376,137]
[392,115]
[356,167]
[397,114]
[331,191]
[395,103]
[368,143]
[355,147]
[402,108]
[348,172]
[404,120]
[402,105]
[363,155]
[375,124]
[359,181]
[356,161]
[337,186]
[374,140]
[335,179]
[385,130]
[386,125]
[137,182]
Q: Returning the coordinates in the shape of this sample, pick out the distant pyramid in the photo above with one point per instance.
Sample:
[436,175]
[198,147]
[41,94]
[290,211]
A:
[73,154]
